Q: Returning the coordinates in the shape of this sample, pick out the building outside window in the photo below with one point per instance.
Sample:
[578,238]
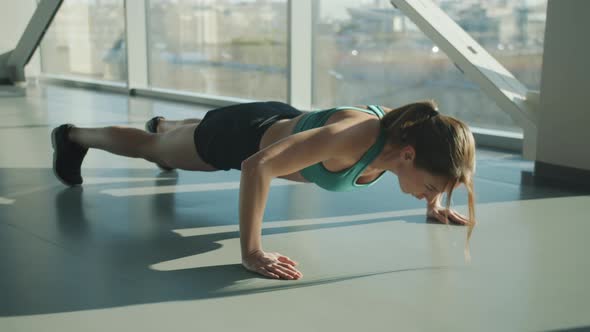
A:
[87,39]
[368,52]
[235,48]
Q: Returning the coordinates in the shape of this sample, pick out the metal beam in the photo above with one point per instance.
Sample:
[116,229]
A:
[12,63]
[477,64]
[470,57]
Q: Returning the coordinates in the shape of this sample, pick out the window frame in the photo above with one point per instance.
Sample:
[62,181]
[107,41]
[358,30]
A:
[300,69]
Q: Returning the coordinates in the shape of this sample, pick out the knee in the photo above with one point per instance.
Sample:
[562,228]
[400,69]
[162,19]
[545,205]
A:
[157,150]
[149,148]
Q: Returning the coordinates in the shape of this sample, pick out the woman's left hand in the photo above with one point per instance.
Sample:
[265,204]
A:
[438,213]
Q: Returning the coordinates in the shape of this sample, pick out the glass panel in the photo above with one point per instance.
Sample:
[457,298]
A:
[367,52]
[87,38]
[511,31]
[234,48]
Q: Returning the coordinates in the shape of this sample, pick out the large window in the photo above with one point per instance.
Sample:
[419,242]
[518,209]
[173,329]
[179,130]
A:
[234,48]
[364,51]
[368,52]
[87,38]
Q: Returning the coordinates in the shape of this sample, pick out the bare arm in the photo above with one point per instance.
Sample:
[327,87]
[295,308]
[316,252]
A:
[434,201]
[281,158]
[254,187]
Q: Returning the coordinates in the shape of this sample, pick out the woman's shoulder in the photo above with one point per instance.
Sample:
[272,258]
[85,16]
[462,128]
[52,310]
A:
[383,108]
[347,112]
[364,127]
[364,132]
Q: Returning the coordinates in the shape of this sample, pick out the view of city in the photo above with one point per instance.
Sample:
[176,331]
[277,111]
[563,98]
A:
[87,38]
[373,54]
[364,51]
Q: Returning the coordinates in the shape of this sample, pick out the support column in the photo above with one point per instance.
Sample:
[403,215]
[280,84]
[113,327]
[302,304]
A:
[300,54]
[137,52]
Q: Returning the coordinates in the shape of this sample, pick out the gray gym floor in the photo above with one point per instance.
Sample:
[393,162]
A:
[139,250]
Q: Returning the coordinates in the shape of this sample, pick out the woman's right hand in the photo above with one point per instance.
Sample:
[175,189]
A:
[273,265]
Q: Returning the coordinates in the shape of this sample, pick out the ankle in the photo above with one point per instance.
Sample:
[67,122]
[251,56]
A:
[71,134]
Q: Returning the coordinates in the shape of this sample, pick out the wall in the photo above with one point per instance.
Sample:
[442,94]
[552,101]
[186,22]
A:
[563,133]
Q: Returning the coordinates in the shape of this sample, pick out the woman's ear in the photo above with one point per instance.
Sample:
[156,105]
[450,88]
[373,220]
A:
[408,153]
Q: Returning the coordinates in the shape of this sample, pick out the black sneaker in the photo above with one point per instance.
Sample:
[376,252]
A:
[152,127]
[67,156]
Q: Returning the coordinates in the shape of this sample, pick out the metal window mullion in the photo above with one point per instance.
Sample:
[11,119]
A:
[300,54]
[137,60]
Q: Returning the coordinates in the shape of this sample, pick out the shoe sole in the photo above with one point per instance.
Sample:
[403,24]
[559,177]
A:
[55,159]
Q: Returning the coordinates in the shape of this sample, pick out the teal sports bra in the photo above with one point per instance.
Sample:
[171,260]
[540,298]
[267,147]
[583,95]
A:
[344,180]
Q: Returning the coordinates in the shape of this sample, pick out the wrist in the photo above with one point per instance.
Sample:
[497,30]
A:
[249,253]
[434,202]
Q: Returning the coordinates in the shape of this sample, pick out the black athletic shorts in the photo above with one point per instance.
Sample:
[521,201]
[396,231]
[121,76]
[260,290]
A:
[229,135]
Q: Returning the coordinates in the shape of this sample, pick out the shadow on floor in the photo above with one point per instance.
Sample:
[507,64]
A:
[71,249]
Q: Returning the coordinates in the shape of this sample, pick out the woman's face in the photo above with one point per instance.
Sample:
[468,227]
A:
[416,182]
[420,183]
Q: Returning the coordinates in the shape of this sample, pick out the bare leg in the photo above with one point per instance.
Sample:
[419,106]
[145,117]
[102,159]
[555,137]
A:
[174,148]
[167,125]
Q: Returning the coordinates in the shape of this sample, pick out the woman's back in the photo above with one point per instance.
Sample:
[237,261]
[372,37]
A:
[346,117]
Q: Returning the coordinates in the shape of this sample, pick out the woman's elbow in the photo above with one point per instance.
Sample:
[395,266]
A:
[253,164]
